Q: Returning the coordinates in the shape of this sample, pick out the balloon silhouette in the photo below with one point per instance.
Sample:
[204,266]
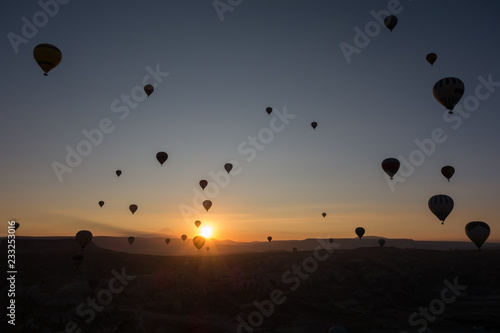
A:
[478,232]
[16,225]
[448,92]
[167,240]
[101,203]
[390,166]
[390,22]
[441,205]
[360,232]
[269,110]
[184,237]
[228,167]
[133,208]
[83,238]
[207,204]
[381,242]
[330,240]
[431,58]
[77,260]
[118,173]
[197,223]
[269,239]
[47,56]
[148,89]
[203,184]
[207,248]
[198,242]
[161,157]
[131,240]
[314,124]
[324,214]
[448,171]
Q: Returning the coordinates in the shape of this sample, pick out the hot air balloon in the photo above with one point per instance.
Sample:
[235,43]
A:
[207,248]
[448,92]
[390,22]
[16,225]
[167,240]
[161,157]
[381,242]
[360,232]
[148,89]
[269,110]
[478,232]
[390,166]
[77,260]
[197,223]
[441,205]
[269,239]
[330,240]
[431,58]
[184,237]
[314,124]
[133,208]
[47,56]
[101,203]
[198,242]
[207,204]
[118,173]
[228,167]
[448,171]
[294,250]
[83,237]
[131,239]
[203,184]
[323,214]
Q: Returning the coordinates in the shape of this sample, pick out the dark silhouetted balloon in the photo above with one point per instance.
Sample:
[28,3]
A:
[330,240]
[323,214]
[228,167]
[314,124]
[269,110]
[207,248]
[198,242]
[448,92]
[441,205]
[184,237]
[207,204]
[360,232]
[294,250]
[16,225]
[133,208]
[131,240]
[448,171]
[161,157]
[167,240]
[118,173]
[431,58]
[77,260]
[269,239]
[47,56]
[197,223]
[101,203]
[390,166]
[381,242]
[148,89]
[83,237]
[203,184]
[390,22]
[478,232]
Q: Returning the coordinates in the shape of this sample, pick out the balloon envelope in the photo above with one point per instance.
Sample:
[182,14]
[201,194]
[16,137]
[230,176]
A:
[133,208]
[101,203]
[390,166]
[228,167]
[161,157]
[77,260]
[381,242]
[360,232]
[207,204]
[198,242]
[441,205]
[203,184]
[324,214]
[47,56]
[16,225]
[269,110]
[197,223]
[118,173]
[478,232]
[131,240]
[314,124]
[448,92]
[431,58]
[448,171]
[83,237]
[148,89]
[167,240]
[390,22]
[269,239]
[184,237]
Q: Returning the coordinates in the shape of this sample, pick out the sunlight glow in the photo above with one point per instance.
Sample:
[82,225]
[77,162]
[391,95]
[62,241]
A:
[207,231]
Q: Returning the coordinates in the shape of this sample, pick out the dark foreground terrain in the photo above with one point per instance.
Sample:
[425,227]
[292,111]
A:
[369,289]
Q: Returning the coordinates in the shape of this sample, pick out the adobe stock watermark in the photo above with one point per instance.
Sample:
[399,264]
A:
[249,148]
[293,278]
[86,310]
[222,6]
[427,146]
[437,306]
[94,137]
[30,28]
[371,30]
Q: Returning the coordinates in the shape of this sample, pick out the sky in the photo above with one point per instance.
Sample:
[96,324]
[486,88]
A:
[216,66]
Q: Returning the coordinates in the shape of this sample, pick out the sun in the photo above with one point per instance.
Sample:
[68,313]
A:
[207,231]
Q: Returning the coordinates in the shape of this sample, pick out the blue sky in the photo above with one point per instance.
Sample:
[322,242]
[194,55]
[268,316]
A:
[204,112]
